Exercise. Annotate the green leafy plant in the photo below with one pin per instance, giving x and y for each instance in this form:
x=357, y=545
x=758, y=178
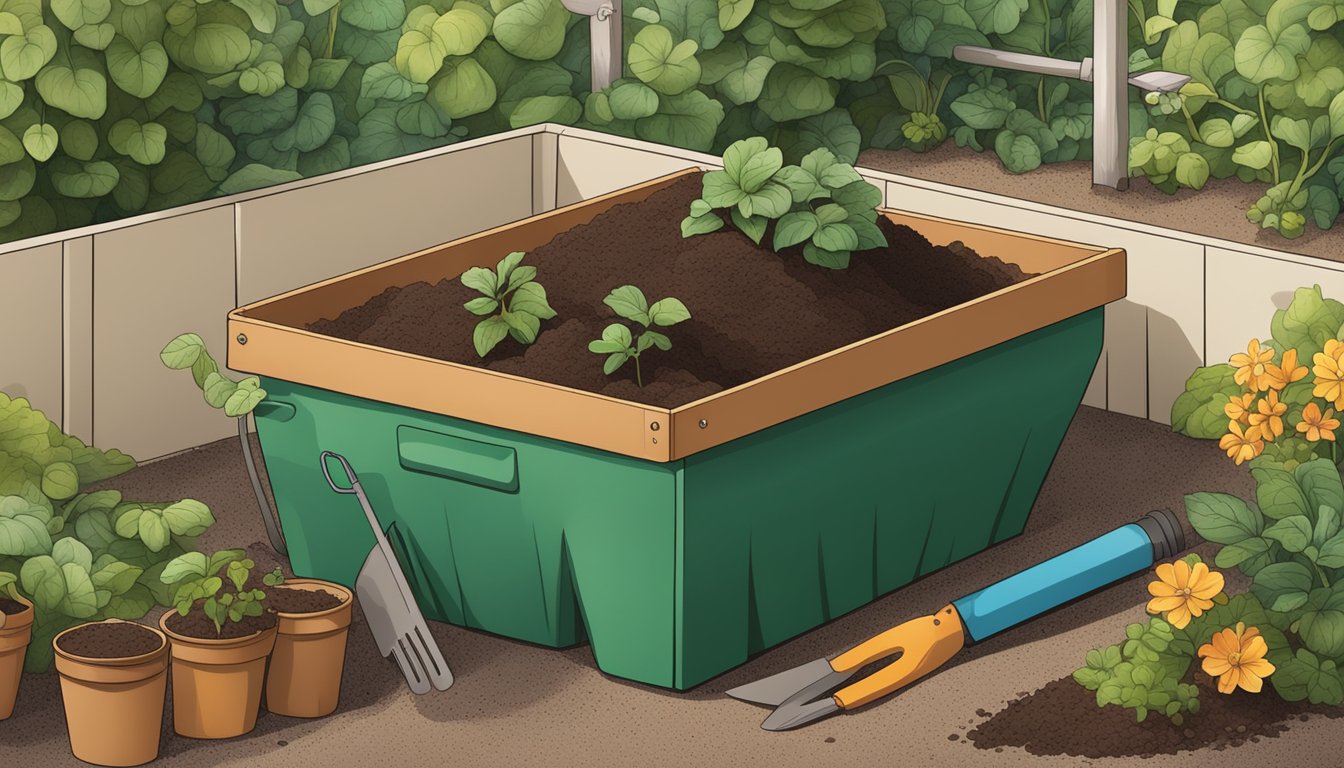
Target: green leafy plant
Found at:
x=235, y=397
x=511, y=290
x=79, y=555
x=617, y=342
x=1290, y=542
x=1143, y=673
x=197, y=582
x=822, y=203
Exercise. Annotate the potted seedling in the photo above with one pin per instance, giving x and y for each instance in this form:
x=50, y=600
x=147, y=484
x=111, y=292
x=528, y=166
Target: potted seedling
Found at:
x=16, y=630
x=114, y=676
x=823, y=325
x=619, y=344
x=221, y=635
x=304, y=678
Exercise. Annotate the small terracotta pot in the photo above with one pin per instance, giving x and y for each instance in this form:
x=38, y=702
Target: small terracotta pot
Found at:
x=217, y=683
x=114, y=707
x=309, y=657
x=15, y=633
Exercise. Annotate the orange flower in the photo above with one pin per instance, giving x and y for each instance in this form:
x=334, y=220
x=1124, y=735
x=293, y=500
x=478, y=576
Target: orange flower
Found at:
x=1237, y=658
x=1182, y=592
x=1286, y=372
x=1329, y=373
x=1318, y=426
x=1238, y=407
x=1243, y=446
x=1251, y=372
x=1269, y=416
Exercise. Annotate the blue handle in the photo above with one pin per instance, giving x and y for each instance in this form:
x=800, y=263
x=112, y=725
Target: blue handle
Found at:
x=1105, y=559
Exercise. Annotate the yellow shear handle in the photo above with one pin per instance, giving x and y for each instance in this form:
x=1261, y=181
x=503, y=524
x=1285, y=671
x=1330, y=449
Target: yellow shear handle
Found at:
x=925, y=644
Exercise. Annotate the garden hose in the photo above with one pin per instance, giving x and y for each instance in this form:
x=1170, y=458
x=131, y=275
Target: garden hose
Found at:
x=268, y=516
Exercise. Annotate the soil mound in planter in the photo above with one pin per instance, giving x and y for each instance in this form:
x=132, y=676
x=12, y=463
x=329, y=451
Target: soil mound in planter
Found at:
x=110, y=641
x=197, y=624
x=753, y=311
x=282, y=600
x=1063, y=719
x=11, y=607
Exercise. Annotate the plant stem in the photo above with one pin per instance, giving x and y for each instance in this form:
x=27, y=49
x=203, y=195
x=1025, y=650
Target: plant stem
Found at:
x=1137, y=10
x=333, y=18
x=1190, y=124
x=938, y=97
x=1273, y=145
x=1040, y=100
x=639, y=378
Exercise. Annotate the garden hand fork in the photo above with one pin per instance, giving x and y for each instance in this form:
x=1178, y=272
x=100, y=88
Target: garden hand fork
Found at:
x=394, y=617
x=803, y=694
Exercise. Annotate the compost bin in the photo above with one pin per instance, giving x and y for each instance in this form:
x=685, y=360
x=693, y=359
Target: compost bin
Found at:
x=679, y=541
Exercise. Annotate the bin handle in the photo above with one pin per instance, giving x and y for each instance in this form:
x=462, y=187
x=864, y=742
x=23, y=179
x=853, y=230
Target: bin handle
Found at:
x=349, y=473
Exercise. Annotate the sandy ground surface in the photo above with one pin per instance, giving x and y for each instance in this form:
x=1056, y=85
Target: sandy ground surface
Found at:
x=516, y=704
x=1218, y=210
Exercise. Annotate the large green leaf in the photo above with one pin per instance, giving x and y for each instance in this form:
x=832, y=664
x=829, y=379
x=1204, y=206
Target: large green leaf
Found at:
x=1262, y=55
x=138, y=72
x=1322, y=623
x=686, y=120
x=313, y=126
x=462, y=89
x=1282, y=586
x=41, y=140
x=23, y=528
x=255, y=176
x=1222, y=518
x=791, y=93
x=532, y=29
x=80, y=92
x=77, y=13
x=996, y=16
x=373, y=15
x=1305, y=676
x=83, y=180
x=666, y=66
x=22, y=56
x=144, y=143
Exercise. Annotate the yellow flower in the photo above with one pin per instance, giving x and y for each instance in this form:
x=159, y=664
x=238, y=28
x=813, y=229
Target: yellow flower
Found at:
x=1182, y=592
x=1286, y=372
x=1251, y=372
x=1329, y=373
x=1238, y=407
x=1269, y=416
x=1318, y=426
x=1237, y=658
x=1242, y=446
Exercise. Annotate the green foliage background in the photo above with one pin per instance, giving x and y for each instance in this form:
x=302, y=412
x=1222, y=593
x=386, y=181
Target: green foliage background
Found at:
x=113, y=107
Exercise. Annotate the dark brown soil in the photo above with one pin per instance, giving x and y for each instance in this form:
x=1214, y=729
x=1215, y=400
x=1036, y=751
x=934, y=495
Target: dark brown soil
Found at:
x=118, y=640
x=753, y=311
x=196, y=624
x=1063, y=719
x=282, y=600
x=11, y=607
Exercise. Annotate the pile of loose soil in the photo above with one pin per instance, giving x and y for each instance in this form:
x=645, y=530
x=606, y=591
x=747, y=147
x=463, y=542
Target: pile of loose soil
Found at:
x=1063, y=719
x=114, y=640
x=197, y=624
x=11, y=607
x=284, y=600
x=753, y=311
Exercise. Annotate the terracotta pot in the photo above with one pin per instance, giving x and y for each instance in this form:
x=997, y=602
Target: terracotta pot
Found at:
x=114, y=707
x=305, y=674
x=15, y=632
x=217, y=683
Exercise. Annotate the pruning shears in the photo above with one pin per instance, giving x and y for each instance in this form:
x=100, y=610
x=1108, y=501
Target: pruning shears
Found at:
x=809, y=692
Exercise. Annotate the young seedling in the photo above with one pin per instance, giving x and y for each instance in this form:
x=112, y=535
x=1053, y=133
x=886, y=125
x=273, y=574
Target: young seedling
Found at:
x=512, y=291
x=822, y=203
x=197, y=580
x=619, y=345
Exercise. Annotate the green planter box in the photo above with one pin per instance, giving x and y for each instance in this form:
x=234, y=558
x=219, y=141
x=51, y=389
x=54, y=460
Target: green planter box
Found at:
x=676, y=571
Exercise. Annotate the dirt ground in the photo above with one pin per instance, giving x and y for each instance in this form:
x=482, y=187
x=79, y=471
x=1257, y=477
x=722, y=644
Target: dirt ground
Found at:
x=1218, y=210
x=516, y=704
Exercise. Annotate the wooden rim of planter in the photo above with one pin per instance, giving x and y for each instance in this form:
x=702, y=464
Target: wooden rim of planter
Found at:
x=319, y=622
x=16, y=624
x=114, y=670
x=209, y=651
x=266, y=338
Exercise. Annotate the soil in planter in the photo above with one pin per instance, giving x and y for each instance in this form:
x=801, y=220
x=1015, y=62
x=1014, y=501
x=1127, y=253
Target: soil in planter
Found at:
x=110, y=641
x=753, y=311
x=1063, y=719
x=11, y=607
x=282, y=600
x=197, y=625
